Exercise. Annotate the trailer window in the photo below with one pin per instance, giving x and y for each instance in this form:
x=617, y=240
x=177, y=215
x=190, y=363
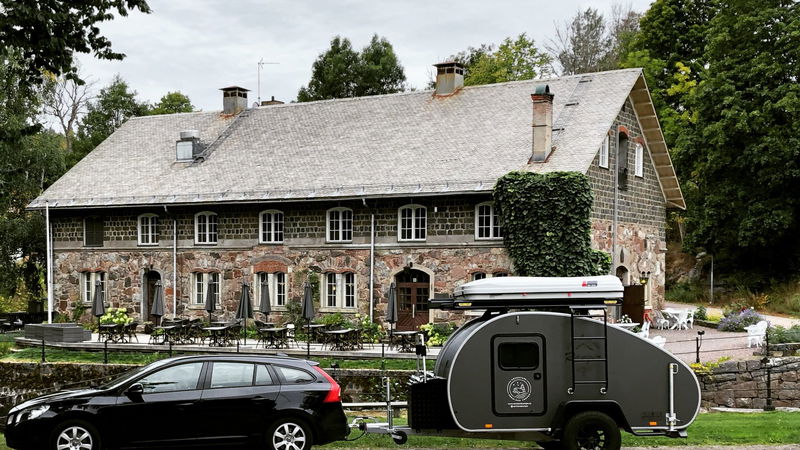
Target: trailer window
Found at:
x=518, y=355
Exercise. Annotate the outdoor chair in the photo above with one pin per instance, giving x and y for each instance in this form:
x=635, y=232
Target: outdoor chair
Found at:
x=690, y=318
x=130, y=331
x=290, y=337
x=660, y=321
x=658, y=341
x=681, y=320
x=756, y=333
x=645, y=332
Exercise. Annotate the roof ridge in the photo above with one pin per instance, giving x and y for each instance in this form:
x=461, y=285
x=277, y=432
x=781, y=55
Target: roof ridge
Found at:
x=148, y=116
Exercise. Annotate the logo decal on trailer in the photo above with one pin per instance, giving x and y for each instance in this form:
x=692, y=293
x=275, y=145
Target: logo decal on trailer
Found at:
x=519, y=389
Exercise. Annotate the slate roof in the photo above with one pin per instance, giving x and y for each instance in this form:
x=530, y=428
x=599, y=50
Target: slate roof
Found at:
x=389, y=145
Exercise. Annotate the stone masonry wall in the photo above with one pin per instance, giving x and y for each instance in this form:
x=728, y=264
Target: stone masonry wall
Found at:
x=743, y=384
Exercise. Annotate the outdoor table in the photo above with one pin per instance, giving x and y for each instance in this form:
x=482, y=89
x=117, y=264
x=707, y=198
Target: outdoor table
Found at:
x=166, y=334
x=674, y=314
x=406, y=341
x=216, y=336
x=628, y=326
x=112, y=332
x=315, y=329
x=339, y=339
x=276, y=337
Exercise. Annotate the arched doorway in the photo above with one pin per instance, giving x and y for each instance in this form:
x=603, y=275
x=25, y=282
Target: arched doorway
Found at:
x=150, y=279
x=413, y=294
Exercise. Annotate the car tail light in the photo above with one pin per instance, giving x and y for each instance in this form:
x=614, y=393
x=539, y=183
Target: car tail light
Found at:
x=335, y=393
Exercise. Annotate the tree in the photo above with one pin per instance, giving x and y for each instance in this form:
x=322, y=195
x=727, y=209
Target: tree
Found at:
x=379, y=71
x=341, y=72
x=49, y=32
x=171, y=103
x=115, y=104
x=29, y=161
x=65, y=101
x=517, y=59
x=582, y=45
x=623, y=28
x=739, y=158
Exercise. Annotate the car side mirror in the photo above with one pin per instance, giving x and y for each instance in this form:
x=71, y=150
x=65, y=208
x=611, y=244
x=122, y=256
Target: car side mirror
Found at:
x=135, y=389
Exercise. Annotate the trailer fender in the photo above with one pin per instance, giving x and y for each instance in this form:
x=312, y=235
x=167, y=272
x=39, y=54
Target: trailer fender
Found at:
x=569, y=409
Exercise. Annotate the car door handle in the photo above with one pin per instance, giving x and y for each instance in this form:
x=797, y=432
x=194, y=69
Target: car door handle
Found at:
x=259, y=399
x=186, y=404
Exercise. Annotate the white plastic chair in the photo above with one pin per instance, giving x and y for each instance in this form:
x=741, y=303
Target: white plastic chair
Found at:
x=756, y=333
x=658, y=341
x=645, y=332
x=690, y=318
x=659, y=320
x=681, y=320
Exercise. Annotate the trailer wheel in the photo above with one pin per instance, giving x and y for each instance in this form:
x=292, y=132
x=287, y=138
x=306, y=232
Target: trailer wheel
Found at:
x=399, y=437
x=591, y=430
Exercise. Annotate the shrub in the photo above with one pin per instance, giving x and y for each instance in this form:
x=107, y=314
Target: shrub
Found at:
x=687, y=292
x=116, y=316
x=737, y=321
x=437, y=333
x=370, y=331
x=335, y=320
x=700, y=313
x=781, y=335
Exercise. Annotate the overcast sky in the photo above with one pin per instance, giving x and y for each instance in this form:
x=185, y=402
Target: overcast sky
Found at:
x=199, y=46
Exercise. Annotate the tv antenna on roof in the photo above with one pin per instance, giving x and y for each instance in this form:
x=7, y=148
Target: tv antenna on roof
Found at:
x=260, y=66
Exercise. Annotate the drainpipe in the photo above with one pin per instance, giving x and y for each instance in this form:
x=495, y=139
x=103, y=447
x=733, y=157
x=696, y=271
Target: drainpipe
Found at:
x=174, y=266
x=49, y=263
x=615, y=216
x=371, y=261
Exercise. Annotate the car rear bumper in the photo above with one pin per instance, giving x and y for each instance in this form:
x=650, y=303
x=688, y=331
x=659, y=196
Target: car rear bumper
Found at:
x=331, y=424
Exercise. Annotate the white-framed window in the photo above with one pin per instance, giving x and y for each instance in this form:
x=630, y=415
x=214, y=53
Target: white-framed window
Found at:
x=271, y=226
x=487, y=222
x=88, y=280
x=339, y=290
x=603, y=159
x=201, y=282
x=639, y=161
x=205, y=227
x=277, y=288
x=340, y=225
x=148, y=229
x=478, y=276
x=412, y=223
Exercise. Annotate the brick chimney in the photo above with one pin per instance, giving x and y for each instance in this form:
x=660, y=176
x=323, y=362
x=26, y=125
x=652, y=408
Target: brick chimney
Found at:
x=542, y=123
x=449, y=78
x=234, y=99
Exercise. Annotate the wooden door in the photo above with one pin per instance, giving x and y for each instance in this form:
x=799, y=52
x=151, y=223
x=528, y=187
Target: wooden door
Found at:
x=413, y=295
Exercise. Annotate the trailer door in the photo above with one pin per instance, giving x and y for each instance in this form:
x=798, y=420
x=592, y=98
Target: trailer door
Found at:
x=518, y=374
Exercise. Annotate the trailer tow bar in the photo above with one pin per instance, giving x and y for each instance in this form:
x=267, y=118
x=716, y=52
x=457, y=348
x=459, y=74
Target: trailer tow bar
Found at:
x=671, y=418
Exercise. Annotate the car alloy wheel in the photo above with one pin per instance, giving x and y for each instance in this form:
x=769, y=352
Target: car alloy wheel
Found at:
x=75, y=437
x=290, y=436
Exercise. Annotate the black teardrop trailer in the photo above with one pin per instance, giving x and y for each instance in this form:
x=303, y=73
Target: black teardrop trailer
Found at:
x=543, y=364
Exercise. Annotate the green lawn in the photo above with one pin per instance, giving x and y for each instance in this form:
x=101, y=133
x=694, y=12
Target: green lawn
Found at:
x=709, y=429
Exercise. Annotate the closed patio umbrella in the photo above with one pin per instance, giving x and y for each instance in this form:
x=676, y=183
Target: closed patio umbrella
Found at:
x=211, y=302
x=98, y=303
x=245, y=310
x=391, y=312
x=158, y=302
x=265, y=307
x=308, y=314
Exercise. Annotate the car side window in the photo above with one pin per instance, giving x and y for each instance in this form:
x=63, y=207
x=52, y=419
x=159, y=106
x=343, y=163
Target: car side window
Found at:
x=294, y=376
x=182, y=377
x=225, y=375
x=263, y=378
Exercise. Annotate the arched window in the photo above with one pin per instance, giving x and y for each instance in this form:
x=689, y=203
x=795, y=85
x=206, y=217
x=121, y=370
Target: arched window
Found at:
x=271, y=226
x=148, y=229
x=340, y=225
x=276, y=283
x=89, y=281
x=205, y=227
x=205, y=285
x=478, y=276
x=412, y=223
x=339, y=290
x=487, y=222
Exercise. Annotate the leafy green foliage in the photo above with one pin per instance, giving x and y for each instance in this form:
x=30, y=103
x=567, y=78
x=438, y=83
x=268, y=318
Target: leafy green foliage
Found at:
x=739, y=159
x=782, y=335
x=517, y=59
x=115, y=104
x=341, y=72
x=49, y=32
x=171, y=103
x=117, y=316
x=437, y=333
x=546, y=224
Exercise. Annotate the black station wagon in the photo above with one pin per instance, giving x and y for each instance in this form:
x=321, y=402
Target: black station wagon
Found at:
x=197, y=401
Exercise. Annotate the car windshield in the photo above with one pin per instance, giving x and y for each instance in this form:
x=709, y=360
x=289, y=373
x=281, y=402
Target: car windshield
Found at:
x=122, y=377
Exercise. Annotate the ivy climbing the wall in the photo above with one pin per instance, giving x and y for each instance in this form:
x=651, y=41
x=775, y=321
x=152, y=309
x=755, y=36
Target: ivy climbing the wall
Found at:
x=546, y=224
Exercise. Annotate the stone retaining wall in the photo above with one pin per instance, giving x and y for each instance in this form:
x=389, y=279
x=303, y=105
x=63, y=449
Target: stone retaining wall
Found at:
x=743, y=384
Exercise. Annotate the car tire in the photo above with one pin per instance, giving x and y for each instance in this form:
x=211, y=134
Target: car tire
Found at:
x=289, y=434
x=76, y=434
x=591, y=430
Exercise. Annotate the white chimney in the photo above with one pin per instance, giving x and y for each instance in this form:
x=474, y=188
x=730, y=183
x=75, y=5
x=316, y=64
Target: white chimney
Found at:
x=542, y=123
x=449, y=78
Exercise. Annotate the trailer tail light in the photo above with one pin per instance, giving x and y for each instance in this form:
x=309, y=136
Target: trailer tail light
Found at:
x=488, y=425
x=335, y=392
x=652, y=424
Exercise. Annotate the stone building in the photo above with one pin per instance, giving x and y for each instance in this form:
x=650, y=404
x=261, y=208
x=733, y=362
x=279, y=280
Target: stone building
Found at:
x=352, y=194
